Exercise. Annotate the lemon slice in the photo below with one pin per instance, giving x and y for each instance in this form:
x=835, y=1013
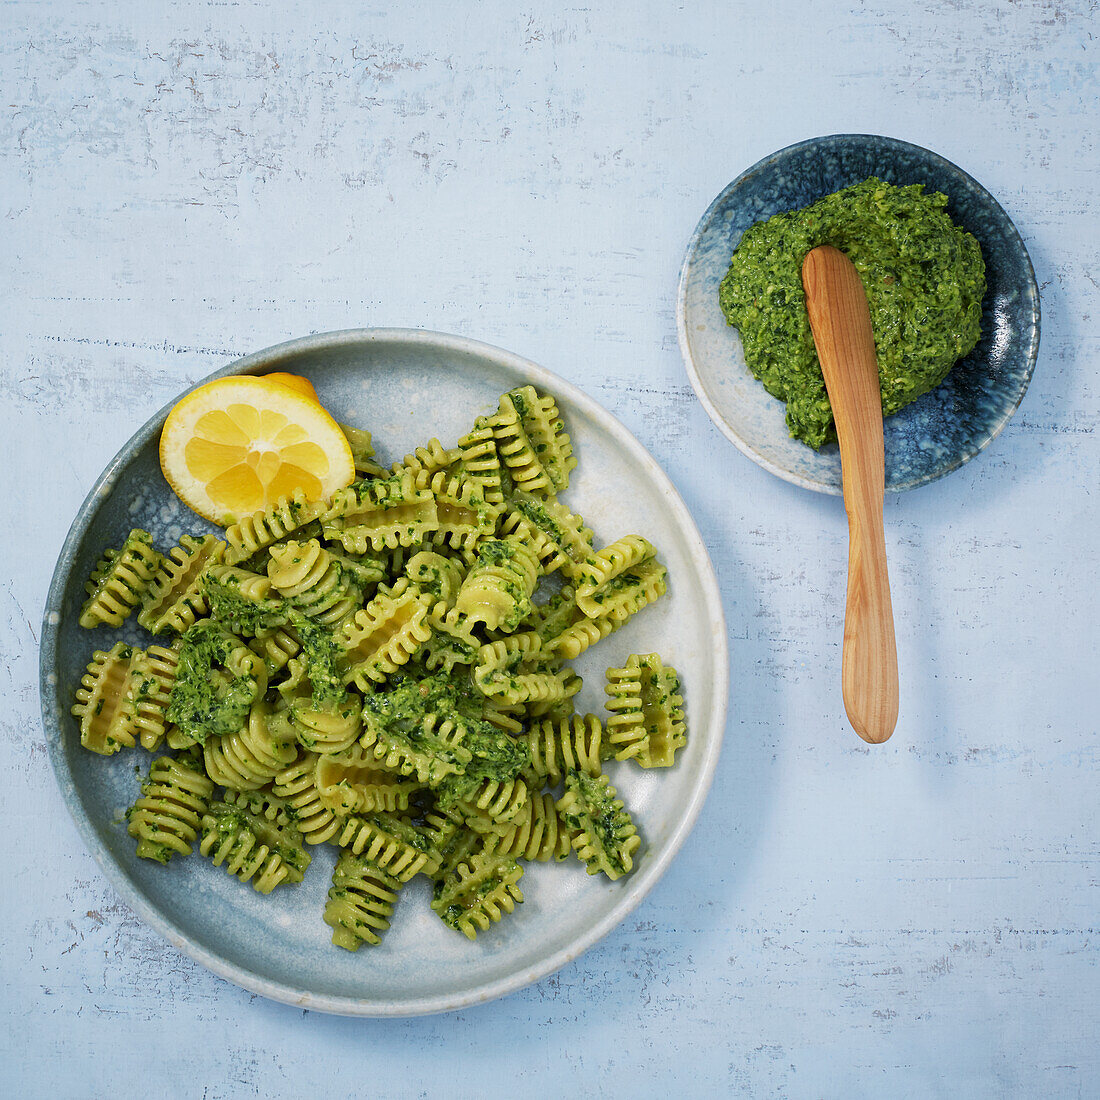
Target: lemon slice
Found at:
x=296, y=382
x=236, y=445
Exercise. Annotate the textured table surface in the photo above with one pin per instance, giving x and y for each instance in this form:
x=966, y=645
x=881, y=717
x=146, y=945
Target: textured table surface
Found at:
x=184, y=183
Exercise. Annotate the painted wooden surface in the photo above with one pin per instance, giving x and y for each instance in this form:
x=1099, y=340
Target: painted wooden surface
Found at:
x=184, y=183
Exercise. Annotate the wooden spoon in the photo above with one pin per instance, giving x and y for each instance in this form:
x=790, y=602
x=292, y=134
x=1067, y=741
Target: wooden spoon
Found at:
x=841, y=324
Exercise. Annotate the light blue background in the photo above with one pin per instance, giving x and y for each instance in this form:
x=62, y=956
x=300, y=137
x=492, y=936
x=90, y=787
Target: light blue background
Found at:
x=182, y=184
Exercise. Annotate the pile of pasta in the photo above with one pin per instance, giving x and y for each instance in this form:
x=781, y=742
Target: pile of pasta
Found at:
x=387, y=671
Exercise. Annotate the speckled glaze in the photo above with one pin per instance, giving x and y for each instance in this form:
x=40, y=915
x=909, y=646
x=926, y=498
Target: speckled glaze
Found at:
x=935, y=434
x=404, y=385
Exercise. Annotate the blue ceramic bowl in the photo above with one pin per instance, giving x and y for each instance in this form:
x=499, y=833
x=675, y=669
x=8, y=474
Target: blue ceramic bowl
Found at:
x=935, y=434
x=405, y=385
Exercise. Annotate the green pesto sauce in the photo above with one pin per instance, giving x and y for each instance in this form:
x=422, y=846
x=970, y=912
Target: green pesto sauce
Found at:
x=491, y=876
x=924, y=278
x=402, y=831
x=205, y=700
x=518, y=402
x=432, y=573
x=600, y=819
x=419, y=693
x=399, y=716
x=535, y=512
x=446, y=646
x=623, y=582
x=363, y=569
x=488, y=753
x=495, y=552
x=320, y=653
x=236, y=612
x=496, y=755
x=238, y=824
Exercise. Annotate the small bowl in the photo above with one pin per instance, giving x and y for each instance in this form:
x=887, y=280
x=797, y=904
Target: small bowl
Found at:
x=941, y=430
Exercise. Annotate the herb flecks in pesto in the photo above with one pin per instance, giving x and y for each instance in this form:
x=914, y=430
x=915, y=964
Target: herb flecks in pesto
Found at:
x=208, y=699
x=242, y=614
x=319, y=652
x=496, y=756
x=924, y=278
x=495, y=552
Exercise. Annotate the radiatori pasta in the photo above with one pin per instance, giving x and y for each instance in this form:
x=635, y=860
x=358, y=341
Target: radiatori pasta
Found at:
x=386, y=672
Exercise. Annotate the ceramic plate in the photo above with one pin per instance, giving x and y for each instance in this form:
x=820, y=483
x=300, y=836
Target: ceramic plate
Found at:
x=935, y=434
x=405, y=386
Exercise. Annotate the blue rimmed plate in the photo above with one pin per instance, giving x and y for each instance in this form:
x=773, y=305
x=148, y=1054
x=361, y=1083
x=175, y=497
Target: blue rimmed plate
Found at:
x=935, y=434
x=405, y=386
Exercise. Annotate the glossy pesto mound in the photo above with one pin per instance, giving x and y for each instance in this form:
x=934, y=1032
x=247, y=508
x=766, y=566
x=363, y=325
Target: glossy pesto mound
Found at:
x=924, y=278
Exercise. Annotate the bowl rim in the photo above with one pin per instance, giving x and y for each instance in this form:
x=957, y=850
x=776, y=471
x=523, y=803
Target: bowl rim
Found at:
x=639, y=884
x=696, y=379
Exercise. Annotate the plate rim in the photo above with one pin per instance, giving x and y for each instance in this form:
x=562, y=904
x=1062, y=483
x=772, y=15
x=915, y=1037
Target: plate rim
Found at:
x=695, y=377
x=640, y=883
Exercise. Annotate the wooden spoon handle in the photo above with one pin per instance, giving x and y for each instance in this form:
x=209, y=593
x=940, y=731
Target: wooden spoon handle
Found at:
x=841, y=324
